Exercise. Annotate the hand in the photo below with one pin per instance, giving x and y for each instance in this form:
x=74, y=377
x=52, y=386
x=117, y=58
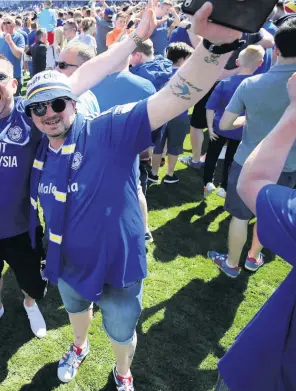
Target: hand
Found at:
x=292, y=88
x=216, y=34
x=8, y=39
x=213, y=136
x=148, y=22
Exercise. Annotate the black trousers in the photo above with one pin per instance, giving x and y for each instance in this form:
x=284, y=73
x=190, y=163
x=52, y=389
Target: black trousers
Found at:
x=214, y=149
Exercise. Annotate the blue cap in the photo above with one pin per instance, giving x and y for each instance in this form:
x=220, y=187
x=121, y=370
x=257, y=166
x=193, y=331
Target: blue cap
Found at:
x=109, y=12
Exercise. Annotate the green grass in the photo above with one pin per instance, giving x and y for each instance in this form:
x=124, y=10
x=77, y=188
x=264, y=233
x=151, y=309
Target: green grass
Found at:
x=191, y=314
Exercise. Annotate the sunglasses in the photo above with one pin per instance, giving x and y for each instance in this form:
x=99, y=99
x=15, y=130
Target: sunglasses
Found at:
x=58, y=105
x=64, y=65
x=8, y=22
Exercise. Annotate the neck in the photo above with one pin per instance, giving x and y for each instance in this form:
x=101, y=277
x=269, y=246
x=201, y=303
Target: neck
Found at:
x=286, y=61
x=7, y=109
x=56, y=142
x=246, y=71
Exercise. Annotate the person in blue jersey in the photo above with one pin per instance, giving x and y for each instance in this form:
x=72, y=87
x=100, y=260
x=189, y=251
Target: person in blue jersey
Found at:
x=160, y=34
x=181, y=33
x=12, y=46
x=96, y=245
x=270, y=356
x=47, y=19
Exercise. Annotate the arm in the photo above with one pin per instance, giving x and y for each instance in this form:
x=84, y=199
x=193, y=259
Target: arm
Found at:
x=176, y=17
x=230, y=121
x=231, y=118
x=16, y=50
x=210, y=121
x=267, y=40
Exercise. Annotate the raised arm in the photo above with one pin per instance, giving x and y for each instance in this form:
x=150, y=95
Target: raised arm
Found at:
x=196, y=76
x=261, y=168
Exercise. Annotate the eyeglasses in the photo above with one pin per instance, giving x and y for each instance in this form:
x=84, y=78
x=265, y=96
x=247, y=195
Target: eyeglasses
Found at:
x=58, y=105
x=64, y=65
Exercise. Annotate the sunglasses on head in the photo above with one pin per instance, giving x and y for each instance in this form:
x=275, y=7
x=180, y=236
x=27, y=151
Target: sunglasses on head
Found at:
x=58, y=105
x=64, y=65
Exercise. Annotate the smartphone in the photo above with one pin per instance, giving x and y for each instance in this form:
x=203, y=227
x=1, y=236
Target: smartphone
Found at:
x=243, y=15
x=130, y=24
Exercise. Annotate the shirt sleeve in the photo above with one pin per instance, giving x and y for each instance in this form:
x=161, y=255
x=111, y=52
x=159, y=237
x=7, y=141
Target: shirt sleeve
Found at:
x=215, y=100
x=237, y=105
x=127, y=128
x=20, y=41
x=276, y=219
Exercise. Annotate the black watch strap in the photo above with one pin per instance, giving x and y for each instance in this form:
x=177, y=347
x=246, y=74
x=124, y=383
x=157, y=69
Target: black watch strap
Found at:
x=225, y=48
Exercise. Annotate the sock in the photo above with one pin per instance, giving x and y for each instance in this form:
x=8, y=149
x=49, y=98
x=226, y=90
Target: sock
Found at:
x=227, y=264
x=129, y=374
x=194, y=161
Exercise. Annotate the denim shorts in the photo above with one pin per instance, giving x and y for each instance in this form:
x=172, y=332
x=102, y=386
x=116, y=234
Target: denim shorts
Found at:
x=121, y=308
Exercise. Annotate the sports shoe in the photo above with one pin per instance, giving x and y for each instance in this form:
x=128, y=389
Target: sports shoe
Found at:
x=188, y=162
x=148, y=237
x=152, y=178
x=171, y=178
x=253, y=264
x=220, y=261
x=69, y=364
x=36, y=319
x=208, y=189
x=1, y=311
x=123, y=383
x=221, y=193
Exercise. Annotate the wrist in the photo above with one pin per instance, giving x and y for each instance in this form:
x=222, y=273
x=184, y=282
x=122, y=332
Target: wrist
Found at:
x=222, y=48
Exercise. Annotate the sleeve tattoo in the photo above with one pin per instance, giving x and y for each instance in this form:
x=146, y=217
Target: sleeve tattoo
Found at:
x=182, y=88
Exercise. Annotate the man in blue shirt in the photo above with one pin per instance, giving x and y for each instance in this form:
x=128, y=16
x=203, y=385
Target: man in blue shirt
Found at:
x=12, y=46
x=264, y=98
x=267, y=345
x=96, y=249
x=48, y=20
x=160, y=35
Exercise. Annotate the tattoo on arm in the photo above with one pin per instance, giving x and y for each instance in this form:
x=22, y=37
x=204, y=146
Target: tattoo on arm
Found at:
x=181, y=88
x=212, y=59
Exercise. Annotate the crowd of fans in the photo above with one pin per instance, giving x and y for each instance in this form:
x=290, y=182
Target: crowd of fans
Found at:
x=100, y=58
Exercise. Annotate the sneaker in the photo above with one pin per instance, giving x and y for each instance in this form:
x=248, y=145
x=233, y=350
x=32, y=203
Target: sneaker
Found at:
x=69, y=364
x=152, y=178
x=123, y=383
x=253, y=264
x=148, y=237
x=188, y=162
x=36, y=319
x=162, y=163
x=208, y=189
x=1, y=311
x=221, y=193
x=171, y=178
x=220, y=261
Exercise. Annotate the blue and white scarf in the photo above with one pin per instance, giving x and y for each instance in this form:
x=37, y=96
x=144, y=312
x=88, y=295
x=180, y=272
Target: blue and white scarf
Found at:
x=55, y=231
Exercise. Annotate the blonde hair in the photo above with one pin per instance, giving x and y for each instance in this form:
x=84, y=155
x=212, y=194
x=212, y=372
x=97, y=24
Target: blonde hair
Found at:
x=59, y=39
x=77, y=15
x=87, y=23
x=251, y=56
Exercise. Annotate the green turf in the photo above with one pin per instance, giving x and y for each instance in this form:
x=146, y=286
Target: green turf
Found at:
x=191, y=314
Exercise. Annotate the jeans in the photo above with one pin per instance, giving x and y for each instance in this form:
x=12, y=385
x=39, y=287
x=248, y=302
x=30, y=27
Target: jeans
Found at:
x=213, y=152
x=221, y=385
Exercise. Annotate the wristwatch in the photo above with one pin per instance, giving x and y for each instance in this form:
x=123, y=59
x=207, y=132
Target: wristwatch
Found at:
x=225, y=48
x=136, y=38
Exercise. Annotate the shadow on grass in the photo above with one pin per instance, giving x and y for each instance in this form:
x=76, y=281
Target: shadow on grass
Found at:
x=15, y=328
x=195, y=319
x=44, y=380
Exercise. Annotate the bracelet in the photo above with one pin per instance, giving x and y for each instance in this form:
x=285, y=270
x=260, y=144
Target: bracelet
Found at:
x=224, y=48
x=138, y=41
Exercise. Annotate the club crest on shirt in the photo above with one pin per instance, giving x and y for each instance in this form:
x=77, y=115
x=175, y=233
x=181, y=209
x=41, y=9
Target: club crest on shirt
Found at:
x=77, y=159
x=15, y=133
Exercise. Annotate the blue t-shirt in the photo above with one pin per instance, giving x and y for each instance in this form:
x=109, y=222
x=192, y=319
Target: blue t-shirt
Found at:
x=270, y=27
x=159, y=36
x=5, y=50
x=25, y=35
x=219, y=100
x=47, y=19
x=18, y=145
x=180, y=35
x=121, y=88
x=32, y=37
x=88, y=104
x=103, y=238
x=60, y=22
x=267, y=346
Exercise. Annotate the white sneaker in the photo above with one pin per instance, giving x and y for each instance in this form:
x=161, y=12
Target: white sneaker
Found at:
x=208, y=189
x=36, y=319
x=221, y=193
x=1, y=311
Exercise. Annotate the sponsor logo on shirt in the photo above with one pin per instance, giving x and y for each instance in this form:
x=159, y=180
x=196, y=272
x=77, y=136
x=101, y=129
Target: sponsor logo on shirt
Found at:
x=77, y=159
x=15, y=133
x=51, y=189
x=7, y=161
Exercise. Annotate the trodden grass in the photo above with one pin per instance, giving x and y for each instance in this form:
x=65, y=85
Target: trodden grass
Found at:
x=191, y=313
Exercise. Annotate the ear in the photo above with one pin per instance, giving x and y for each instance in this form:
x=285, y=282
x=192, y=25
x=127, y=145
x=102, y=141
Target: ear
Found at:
x=14, y=84
x=277, y=52
x=237, y=62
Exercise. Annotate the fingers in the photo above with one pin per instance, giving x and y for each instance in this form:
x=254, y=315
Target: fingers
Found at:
x=204, y=12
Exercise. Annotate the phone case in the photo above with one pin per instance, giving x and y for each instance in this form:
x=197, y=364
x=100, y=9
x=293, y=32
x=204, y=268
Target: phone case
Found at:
x=243, y=15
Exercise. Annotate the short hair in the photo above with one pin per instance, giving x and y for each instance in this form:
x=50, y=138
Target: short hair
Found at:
x=34, y=26
x=77, y=14
x=84, y=8
x=10, y=66
x=285, y=38
x=87, y=23
x=84, y=52
x=18, y=22
x=88, y=12
x=145, y=47
x=178, y=50
x=167, y=2
x=48, y=3
x=71, y=13
x=60, y=14
x=121, y=15
x=39, y=33
x=251, y=56
x=71, y=23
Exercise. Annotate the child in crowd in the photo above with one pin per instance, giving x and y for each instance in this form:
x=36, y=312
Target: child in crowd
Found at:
x=248, y=61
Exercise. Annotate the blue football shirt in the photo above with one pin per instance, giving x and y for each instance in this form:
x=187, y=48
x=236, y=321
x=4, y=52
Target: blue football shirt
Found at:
x=5, y=50
x=267, y=346
x=18, y=145
x=103, y=239
x=159, y=36
x=180, y=35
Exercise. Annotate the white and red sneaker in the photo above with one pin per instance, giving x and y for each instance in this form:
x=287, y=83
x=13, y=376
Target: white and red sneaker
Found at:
x=123, y=383
x=69, y=364
x=253, y=264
